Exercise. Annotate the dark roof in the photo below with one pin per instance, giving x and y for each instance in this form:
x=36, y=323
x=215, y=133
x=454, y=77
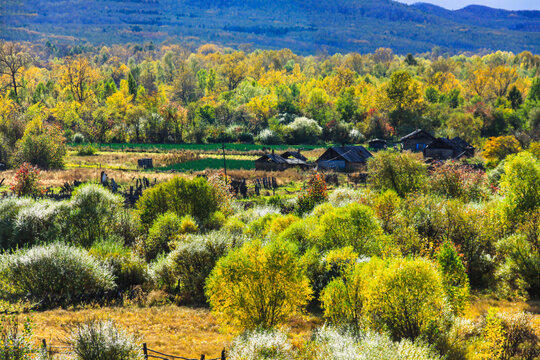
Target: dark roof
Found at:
x=280, y=160
x=354, y=154
x=417, y=133
x=373, y=141
x=462, y=143
x=456, y=144
x=294, y=154
x=273, y=158
x=443, y=143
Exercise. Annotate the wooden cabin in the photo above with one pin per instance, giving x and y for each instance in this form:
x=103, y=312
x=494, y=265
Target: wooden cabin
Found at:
x=417, y=141
x=344, y=158
x=293, y=155
x=445, y=149
x=272, y=162
x=377, y=144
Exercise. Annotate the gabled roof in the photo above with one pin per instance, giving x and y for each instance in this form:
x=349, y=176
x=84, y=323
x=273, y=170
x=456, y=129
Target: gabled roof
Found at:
x=417, y=133
x=280, y=160
x=462, y=143
x=294, y=154
x=372, y=141
x=273, y=158
x=443, y=143
x=457, y=144
x=354, y=154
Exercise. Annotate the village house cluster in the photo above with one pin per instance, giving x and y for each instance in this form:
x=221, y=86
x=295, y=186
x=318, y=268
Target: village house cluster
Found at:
x=353, y=158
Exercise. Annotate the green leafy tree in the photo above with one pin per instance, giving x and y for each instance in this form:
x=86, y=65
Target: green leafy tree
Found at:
x=402, y=172
x=454, y=277
x=515, y=97
x=182, y=196
x=520, y=185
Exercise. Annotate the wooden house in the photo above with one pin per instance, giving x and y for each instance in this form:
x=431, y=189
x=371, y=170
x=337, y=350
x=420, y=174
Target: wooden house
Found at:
x=417, y=141
x=444, y=149
x=377, y=144
x=344, y=158
x=293, y=155
x=273, y=162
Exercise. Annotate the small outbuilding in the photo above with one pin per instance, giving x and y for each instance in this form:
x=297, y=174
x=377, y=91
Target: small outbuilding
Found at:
x=273, y=162
x=377, y=144
x=417, y=141
x=444, y=149
x=293, y=155
x=344, y=158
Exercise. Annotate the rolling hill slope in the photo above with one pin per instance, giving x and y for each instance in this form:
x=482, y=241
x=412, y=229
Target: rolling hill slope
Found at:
x=304, y=26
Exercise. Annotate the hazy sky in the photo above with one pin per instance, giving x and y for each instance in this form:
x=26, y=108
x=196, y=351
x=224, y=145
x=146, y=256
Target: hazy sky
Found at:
x=500, y=4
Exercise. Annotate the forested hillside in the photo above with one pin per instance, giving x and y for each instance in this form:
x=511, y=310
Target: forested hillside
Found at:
x=306, y=26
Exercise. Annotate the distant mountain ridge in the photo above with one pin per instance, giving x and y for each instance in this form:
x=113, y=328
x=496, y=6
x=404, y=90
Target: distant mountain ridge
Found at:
x=304, y=26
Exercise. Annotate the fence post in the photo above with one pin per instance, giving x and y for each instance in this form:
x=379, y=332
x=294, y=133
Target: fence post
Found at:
x=223, y=355
x=145, y=351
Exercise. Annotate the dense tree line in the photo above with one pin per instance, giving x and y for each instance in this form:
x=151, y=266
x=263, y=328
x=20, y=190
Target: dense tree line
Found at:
x=146, y=93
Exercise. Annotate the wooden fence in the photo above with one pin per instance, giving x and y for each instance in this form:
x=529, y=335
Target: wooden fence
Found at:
x=56, y=351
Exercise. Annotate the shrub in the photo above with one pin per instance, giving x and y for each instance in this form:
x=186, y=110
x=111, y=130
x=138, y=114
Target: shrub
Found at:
x=454, y=277
x=258, y=286
x=45, y=150
x=455, y=181
x=334, y=344
x=9, y=211
x=268, y=137
x=87, y=150
x=222, y=192
x=260, y=345
x=315, y=193
x=94, y=214
x=38, y=222
x=403, y=172
x=303, y=131
x=407, y=299
x=302, y=233
x=15, y=341
x=78, y=138
x=521, y=258
x=54, y=273
x=344, y=196
x=187, y=267
x=127, y=269
x=508, y=336
x=520, y=184
x=344, y=298
x=98, y=340
x=184, y=197
x=498, y=148
x=27, y=181
x=353, y=225
x=164, y=230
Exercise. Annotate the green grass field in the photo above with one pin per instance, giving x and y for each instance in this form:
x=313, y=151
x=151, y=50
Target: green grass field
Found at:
x=210, y=163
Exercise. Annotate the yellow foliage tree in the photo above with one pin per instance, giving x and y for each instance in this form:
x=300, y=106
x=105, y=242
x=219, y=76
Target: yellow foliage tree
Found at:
x=258, y=285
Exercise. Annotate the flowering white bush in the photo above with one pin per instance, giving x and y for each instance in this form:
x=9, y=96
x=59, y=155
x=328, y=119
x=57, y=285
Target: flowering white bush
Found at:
x=261, y=345
x=268, y=137
x=304, y=130
x=97, y=340
x=331, y=344
x=344, y=196
x=54, y=272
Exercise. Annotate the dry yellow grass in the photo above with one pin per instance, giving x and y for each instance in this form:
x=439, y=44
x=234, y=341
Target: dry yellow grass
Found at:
x=174, y=330
x=56, y=178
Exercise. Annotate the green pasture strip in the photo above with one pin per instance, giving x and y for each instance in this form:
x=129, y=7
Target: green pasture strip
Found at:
x=209, y=163
x=203, y=147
